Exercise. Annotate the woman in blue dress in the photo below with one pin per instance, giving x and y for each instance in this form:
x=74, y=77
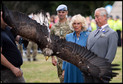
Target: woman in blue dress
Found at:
x=71, y=73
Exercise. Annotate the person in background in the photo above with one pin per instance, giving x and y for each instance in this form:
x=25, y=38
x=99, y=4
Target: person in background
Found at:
x=71, y=73
x=52, y=21
x=61, y=28
x=103, y=41
x=118, y=28
x=88, y=19
x=32, y=46
x=11, y=59
x=111, y=22
x=93, y=25
x=20, y=47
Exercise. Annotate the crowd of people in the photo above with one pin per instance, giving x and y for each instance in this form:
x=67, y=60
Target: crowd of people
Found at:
x=115, y=24
x=101, y=35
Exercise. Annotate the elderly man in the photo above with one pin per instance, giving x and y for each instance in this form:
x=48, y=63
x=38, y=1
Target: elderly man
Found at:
x=61, y=28
x=102, y=41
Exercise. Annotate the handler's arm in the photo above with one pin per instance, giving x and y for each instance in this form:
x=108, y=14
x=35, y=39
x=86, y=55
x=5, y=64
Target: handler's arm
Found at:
x=7, y=64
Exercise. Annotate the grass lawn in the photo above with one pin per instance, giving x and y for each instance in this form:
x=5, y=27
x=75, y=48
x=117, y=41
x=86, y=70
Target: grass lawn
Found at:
x=118, y=60
x=43, y=71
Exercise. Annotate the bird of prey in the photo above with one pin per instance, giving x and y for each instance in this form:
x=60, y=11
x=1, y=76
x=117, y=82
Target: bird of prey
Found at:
x=88, y=62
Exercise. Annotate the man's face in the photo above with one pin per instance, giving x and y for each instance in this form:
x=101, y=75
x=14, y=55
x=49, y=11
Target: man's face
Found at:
x=62, y=14
x=99, y=19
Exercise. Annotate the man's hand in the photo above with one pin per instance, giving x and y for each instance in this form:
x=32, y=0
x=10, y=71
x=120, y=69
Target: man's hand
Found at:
x=17, y=72
x=63, y=74
x=54, y=62
x=10, y=66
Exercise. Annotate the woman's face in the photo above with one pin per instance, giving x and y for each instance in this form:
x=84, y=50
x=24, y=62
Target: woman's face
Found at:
x=77, y=26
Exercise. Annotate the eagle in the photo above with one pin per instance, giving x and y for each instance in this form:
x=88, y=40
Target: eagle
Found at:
x=38, y=31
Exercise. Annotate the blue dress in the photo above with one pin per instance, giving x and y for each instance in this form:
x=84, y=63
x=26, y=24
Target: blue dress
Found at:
x=72, y=73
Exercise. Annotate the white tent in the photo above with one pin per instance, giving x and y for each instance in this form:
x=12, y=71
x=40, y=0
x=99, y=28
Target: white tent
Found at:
x=117, y=9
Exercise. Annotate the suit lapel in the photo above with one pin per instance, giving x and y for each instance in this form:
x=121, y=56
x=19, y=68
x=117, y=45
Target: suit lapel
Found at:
x=100, y=34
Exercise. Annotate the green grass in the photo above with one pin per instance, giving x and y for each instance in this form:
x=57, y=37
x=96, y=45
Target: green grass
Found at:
x=118, y=60
x=40, y=71
x=43, y=71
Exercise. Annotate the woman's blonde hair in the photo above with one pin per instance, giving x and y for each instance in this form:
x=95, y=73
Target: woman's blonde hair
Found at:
x=79, y=18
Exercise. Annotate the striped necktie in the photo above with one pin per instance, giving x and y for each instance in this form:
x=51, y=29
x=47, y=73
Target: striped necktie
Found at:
x=97, y=31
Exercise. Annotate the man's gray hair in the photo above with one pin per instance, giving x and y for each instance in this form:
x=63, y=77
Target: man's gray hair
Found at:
x=103, y=11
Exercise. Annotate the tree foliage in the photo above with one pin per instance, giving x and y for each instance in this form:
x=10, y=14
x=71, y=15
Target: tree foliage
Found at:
x=86, y=8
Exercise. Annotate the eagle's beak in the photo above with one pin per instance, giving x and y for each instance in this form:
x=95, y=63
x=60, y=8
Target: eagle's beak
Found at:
x=46, y=58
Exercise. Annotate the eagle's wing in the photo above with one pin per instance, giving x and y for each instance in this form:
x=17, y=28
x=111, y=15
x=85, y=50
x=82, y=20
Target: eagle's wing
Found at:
x=27, y=27
x=88, y=62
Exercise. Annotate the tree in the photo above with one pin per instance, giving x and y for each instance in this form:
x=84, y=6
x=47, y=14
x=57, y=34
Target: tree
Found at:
x=85, y=8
